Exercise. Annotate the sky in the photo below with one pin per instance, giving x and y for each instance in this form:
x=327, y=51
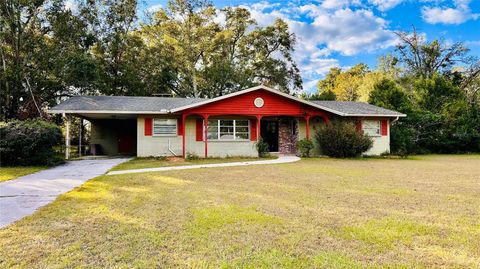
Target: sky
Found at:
x=342, y=33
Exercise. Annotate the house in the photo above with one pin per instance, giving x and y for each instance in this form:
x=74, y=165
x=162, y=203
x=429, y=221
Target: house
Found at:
x=228, y=125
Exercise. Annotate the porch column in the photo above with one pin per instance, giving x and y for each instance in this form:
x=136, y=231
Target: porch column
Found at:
x=259, y=118
x=80, y=138
x=307, y=124
x=67, y=136
x=205, y=126
x=184, y=117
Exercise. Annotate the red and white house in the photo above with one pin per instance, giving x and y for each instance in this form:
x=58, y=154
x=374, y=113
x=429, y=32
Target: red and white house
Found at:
x=228, y=125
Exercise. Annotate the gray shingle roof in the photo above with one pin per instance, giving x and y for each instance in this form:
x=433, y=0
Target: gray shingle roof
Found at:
x=132, y=105
x=357, y=108
x=123, y=103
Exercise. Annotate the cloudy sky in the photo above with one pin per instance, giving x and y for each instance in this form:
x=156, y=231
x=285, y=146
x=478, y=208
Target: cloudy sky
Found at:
x=346, y=32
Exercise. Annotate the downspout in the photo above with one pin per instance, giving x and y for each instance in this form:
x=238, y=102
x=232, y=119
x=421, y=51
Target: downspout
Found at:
x=170, y=149
x=395, y=120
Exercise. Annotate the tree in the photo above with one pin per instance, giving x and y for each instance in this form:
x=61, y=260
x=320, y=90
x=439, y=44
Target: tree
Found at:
x=386, y=93
x=212, y=58
x=425, y=59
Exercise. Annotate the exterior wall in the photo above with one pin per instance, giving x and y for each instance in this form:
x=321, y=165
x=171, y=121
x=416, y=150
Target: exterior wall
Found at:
x=216, y=148
x=104, y=134
x=381, y=144
x=158, y=145
x=107, y=133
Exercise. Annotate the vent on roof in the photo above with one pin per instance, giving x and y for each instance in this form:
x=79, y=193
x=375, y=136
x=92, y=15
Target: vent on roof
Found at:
x=162, y=95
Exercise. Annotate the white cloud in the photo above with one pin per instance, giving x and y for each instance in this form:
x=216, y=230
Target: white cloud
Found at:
x=154, y=8
x=325, y=29
x=384, y=5
x=71, y=5
x=458, y=14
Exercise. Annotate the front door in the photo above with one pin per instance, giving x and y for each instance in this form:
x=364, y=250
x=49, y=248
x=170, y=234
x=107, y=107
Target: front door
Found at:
x=269, y=133
x=125, y=143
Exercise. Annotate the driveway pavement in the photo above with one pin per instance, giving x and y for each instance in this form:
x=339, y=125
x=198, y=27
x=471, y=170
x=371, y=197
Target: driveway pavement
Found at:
x=22, y=196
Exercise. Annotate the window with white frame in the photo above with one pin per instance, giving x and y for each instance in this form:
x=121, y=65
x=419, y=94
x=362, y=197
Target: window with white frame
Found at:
x=164, y=127
x=228, y=130
x=371, y=127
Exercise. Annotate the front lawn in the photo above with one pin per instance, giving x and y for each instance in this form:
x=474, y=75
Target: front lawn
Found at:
x=314, y=213
x=153, y=162
x=8, y=173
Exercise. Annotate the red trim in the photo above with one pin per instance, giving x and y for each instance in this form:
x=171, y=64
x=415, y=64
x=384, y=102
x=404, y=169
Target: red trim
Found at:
x=307, y=124
x=253, y=130
x=179, y=130
x=358, y=126
x=205, y=121
x=199, y=130
x=384, y=127
x=148, y=127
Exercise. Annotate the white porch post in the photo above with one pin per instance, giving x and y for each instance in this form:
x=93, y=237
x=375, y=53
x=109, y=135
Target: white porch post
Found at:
x=67, y=136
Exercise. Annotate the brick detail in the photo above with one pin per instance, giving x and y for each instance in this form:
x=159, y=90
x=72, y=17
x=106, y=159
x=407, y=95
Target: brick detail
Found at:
x=287, y=135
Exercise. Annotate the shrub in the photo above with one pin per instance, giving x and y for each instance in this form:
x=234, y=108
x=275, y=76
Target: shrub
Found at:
x=192, y=156
x=304, y=147
x=29, y=142
x=262, y=148
x=341, y=140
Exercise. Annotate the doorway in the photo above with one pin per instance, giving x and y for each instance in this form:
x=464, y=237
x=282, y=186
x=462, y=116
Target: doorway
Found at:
x=269, y=133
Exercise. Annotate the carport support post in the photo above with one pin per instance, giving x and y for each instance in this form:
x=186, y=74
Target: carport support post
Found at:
x=67, y=136
x=80, y=138
x=184, y=117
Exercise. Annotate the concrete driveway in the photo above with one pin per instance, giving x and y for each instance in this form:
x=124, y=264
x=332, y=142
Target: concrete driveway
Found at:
x=22, y=196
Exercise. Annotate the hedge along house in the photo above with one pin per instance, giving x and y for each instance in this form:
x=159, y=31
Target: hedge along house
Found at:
x=228, y=125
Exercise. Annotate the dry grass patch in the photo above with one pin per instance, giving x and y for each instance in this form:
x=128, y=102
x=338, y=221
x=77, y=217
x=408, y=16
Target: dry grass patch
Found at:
x=316, y=213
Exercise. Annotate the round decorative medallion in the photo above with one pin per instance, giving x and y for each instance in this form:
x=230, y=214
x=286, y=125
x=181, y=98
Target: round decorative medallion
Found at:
x=258, y=102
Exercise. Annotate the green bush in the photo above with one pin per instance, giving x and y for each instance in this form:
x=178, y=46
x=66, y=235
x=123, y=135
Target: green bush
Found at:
x=341, y=140
x=262, y=148
x=304, y=147
x=192, y=156
x=29, y=142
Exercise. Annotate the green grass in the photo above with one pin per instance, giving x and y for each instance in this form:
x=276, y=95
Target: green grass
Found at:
x=316, y=213
x=152, y=162
x=8, y=173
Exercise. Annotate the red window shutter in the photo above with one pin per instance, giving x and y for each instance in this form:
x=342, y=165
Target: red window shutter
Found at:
x=253, y=130
x=179, y=126
x=199, y=130
x=384, y=127
x=358, y=126
x=148, y=126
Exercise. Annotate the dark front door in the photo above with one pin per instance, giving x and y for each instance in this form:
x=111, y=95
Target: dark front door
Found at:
x=269, y=133
x=125, y=143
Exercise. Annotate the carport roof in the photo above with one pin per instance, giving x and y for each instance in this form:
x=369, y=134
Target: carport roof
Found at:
x=122, y=104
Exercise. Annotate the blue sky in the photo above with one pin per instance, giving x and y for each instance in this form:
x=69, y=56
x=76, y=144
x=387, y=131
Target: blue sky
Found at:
x=346, y=32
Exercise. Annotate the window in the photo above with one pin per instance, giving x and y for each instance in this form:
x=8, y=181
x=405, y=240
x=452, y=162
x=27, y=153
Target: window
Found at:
x=228, y=130
x=164, y=127
x=371, y=127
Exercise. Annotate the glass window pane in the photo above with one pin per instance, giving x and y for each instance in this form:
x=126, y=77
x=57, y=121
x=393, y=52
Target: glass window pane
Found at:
x=241, y=135
x=241, y=123
x=212, y=122
x=226, y=129
x=226, y=122
x=164, y=126
x=226, y=136
x=241, y=129
x=213, y=135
